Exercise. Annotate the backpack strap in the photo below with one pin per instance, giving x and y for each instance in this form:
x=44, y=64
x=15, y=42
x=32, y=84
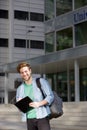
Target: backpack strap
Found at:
x=38, y=83
x=39, y=86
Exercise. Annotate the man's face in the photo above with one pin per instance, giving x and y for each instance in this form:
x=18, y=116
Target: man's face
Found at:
x=25, y=73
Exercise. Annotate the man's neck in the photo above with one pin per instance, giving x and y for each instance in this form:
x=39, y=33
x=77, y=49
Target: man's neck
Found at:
x=29, y=81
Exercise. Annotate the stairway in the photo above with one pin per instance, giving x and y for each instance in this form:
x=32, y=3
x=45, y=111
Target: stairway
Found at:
x=10, y=118
x=8, y=112
x=74, y=117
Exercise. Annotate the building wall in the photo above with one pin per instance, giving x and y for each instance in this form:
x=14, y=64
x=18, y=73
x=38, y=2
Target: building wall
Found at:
x=13, y=28
x=28, y=30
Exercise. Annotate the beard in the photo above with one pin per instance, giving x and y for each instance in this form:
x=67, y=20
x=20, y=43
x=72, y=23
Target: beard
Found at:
x=27, y=78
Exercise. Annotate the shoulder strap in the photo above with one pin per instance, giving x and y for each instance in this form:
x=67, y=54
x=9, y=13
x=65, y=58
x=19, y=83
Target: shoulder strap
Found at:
x=39, y=86
x=38, y=82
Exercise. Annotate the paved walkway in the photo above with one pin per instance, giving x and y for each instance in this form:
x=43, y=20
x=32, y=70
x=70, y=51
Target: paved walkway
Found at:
x=7, y=125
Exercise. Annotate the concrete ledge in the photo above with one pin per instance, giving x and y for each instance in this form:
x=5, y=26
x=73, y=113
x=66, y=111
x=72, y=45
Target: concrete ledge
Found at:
x=74, y=117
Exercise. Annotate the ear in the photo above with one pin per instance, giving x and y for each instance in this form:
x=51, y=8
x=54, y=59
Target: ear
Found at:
x=30, y=70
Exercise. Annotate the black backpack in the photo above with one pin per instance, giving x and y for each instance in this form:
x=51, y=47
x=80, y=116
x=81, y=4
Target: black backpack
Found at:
x=56, y=107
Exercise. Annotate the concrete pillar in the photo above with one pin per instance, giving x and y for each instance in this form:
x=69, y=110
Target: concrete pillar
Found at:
x=6, y=89
x=11, y=30
x=68, y=84
x=77, y=92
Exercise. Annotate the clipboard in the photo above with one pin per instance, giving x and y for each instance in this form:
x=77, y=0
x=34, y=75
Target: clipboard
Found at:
x=23, y=104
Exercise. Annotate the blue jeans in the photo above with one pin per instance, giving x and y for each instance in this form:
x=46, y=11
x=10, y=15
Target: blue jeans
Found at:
x=38, y=124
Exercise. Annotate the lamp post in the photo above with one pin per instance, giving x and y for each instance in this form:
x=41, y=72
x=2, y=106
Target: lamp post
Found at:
x=28, y=31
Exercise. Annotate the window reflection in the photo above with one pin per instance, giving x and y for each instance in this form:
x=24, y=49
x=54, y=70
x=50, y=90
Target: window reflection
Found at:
x=63, y=6
x=81, y=34
x=64, y=39
x=49, y=9
x=80, y=3
x=49, y=42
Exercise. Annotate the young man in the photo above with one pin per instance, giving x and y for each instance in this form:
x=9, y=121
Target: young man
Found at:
x=37, y=118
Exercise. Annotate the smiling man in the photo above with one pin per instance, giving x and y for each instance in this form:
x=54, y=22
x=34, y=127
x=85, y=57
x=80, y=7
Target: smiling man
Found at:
x=37, y=118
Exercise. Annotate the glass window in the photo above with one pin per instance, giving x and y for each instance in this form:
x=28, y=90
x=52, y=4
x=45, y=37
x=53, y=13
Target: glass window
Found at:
x=63, y=6
x=3, y=42
x=80, y=3
x=81, y=34
x=49, y=9
x=2, y=74
x=21, y=15
x=63, y=88
x=1, y=99
x=62, y=85
x=20, y=43
x=83, y=84
x=36, y=44
x=49, y=42
x=72, y=86
x=64, y=39
x=4, y=14
x=36, y=17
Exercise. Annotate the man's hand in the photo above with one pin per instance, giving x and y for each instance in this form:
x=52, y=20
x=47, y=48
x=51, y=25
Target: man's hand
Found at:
x=38, y=104
x=35, y=104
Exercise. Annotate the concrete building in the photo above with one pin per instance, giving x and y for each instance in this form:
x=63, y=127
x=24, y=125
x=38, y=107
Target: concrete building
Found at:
x=21, y=35
x=65, y=59
x=65, y=30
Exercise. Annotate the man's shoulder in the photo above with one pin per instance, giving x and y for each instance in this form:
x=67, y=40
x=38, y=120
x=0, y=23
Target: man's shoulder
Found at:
x=21, y=86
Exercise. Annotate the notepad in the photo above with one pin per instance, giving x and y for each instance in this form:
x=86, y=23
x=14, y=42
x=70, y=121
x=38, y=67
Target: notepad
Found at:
x=23, y=104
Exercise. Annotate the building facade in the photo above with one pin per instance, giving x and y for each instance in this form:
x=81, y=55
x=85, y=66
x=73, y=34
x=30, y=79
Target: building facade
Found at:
x=65, y=29
x=21, y=35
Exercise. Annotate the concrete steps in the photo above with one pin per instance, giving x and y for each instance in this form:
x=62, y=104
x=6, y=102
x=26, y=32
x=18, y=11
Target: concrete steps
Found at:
x=10, y=118
x=8, y=112
x=74, y=117
x=9, y=125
